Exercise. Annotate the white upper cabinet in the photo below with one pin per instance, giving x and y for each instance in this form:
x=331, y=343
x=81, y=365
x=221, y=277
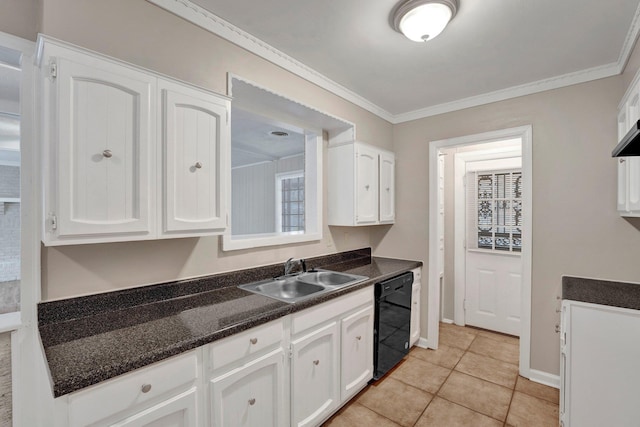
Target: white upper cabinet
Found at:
x=387, y=188
x=629, y=167
x=128, y=155
x=366, y=185
x=195, y=131
x=99, y=150
x=361, y=185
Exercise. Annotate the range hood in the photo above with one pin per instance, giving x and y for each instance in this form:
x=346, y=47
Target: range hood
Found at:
x=630, y=144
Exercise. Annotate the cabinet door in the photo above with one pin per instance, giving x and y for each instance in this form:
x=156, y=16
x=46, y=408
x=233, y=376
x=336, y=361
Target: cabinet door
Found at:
x=387, y=188
x=252, y=395
x=104, y=160
x=315, y=387
x=600, y=379
x=414, y=334
x=195, y=142
x=357, y=352
x=366, y=185
x=179, y=411
x=622, y=163
x=633, y=163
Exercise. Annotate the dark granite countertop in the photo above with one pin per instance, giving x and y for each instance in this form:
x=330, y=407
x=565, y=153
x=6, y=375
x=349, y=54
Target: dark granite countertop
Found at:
x=605, y=292
x=90, y=339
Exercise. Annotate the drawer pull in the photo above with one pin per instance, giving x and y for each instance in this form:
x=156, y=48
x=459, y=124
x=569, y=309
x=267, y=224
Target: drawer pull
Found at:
x=198, y=165
x=253, y=341
x=359, y=337
x=107, y=154
x=252, y=401
x=316, y=362
x=145, y=388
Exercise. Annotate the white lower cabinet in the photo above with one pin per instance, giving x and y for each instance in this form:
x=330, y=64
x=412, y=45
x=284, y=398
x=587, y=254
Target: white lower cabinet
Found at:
x=179, y=411
x=315, y=389
x=163, y=394
x=414, y=334
x=294, y=371
x=356, y=352
x=251, y=395
x=599, y=365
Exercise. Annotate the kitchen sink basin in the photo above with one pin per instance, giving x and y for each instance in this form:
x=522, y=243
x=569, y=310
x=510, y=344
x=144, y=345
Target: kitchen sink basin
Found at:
x=288, y=289
x=301, y=286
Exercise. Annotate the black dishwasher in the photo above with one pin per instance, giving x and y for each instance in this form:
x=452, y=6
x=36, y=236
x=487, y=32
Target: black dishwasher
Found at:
x=392, y=322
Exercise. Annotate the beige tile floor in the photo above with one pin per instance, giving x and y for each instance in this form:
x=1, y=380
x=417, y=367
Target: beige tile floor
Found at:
x=471, y=380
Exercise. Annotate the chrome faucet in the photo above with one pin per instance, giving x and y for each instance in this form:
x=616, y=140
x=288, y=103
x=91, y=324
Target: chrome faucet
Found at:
x=289, y=264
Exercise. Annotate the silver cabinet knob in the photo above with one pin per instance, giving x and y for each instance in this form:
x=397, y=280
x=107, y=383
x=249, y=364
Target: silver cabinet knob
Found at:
x=359, y=337
x=252, y=401
x=316, y=362
x=145, y=388
x=253, y=341
x=622, y=160
x=366, y=187
x=388, y=189
x=198, y=165
x=107, y=154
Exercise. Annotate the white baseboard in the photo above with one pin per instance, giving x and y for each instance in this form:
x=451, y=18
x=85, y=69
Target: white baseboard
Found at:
x=447, y=321
x=423, y=343
x=544, y=378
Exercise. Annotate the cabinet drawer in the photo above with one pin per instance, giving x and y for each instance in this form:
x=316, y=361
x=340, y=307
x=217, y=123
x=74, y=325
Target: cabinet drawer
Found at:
x=316, y=315
x=246, y=343
x=128, y=391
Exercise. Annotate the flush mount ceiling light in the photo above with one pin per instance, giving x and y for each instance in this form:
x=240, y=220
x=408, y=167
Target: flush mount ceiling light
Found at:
x=422, y=20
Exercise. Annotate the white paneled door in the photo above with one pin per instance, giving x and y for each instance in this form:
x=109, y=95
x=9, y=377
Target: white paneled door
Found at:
x=492, y=299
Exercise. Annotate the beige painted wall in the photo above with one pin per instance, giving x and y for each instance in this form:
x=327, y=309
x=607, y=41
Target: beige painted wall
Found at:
x=576, y=229
x=141, y=33
x=20, y=17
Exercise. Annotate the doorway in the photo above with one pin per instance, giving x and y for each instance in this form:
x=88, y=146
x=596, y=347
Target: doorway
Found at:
x=491, y=248
x=485, y=235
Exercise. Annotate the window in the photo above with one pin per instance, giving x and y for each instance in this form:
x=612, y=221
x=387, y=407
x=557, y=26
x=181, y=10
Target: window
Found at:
x=290, y=202
x=495, y=210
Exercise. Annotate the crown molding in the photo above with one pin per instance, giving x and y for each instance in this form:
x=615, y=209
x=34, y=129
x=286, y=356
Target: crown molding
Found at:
x=216, y=25
x=512, y=92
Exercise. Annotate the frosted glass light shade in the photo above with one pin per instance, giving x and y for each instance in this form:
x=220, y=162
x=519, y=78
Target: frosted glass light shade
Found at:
x=422, y=20
x=425, y=22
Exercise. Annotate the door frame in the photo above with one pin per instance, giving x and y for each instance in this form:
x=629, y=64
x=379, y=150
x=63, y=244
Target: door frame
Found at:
x=525, y=134
x=460, y=216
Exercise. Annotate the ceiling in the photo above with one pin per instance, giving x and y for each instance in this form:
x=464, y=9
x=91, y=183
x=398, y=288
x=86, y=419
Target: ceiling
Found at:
x=252, y=141
x=492, y=49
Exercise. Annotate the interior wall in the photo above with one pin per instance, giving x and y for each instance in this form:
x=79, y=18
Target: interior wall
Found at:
x=576, y=229
x=21, y=18
x=144, y=34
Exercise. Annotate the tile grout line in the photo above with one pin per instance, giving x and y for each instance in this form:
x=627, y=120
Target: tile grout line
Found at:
x=445, y=380
x=468, y=350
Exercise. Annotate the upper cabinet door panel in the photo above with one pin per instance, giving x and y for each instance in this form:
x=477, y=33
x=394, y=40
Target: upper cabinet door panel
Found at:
x=366, y=185
x=196, y=135
x=387, y=186
x=104, y=135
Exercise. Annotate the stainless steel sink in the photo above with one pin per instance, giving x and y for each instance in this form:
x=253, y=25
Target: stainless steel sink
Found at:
x=299, y=287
